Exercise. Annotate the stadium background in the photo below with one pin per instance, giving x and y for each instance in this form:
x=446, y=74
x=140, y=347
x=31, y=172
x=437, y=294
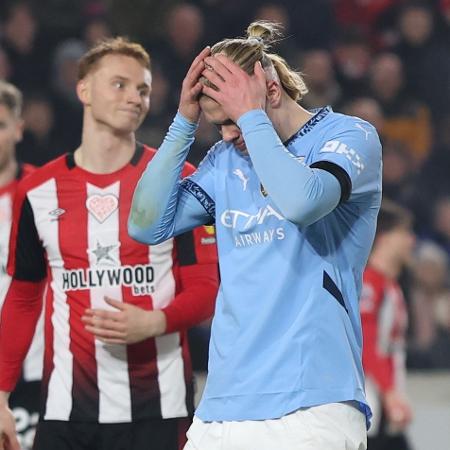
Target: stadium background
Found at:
x=387, y=61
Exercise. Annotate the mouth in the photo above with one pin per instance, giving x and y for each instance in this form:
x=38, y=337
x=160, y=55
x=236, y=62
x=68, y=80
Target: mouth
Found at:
x=131, y=112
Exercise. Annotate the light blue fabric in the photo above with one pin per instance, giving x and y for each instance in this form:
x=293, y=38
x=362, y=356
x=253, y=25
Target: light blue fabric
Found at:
x=286, y=332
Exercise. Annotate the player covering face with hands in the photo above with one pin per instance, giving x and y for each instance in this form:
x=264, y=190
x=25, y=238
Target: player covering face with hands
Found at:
x=294, y=196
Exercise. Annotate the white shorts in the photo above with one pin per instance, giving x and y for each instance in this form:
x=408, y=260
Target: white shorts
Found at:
x=335, y=426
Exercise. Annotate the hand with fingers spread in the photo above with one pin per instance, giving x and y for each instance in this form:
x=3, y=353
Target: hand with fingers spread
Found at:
x=8, y=435
x=127, y=325
x=237, y=92
x=191, y=88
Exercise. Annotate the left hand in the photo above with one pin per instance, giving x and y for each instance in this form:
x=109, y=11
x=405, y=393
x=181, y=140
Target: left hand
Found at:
x=128, y=325
x=398, y=409
x=237, y=92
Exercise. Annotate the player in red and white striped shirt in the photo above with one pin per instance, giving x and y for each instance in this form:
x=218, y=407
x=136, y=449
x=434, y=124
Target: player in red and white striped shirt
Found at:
x=129, y=388
x=384, y=320
x=24, y=403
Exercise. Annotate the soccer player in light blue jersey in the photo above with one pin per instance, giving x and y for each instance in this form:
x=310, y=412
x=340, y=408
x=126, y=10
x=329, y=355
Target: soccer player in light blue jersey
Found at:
x=294, y=196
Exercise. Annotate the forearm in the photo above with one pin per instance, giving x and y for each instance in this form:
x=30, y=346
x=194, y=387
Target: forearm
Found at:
x=155, y=199
x=196, y=300
x=302, y=194
x=22, y=306
x=4, y=398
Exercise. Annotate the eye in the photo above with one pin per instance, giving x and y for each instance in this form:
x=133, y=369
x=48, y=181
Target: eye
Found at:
x=119, y=84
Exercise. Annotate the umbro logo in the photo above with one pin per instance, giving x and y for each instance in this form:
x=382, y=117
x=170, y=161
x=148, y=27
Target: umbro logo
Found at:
x=56, y=213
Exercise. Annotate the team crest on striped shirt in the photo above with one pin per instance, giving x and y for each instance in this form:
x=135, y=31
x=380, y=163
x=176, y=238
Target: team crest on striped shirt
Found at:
x=102, y=206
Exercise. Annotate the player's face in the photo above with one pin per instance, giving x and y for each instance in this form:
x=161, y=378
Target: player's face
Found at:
x=10, y=134
x=227, y=128
x=117, y=93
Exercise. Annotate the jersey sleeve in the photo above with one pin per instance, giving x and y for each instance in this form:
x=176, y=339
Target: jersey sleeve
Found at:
x=198, y=270
x=353, y=154
x=377, y=361
x=26, y=257
x=201, y=185
x=160, y=208
x=23, y=304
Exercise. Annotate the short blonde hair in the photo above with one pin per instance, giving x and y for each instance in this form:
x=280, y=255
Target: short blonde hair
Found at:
x=246, y=51
x=112, y=46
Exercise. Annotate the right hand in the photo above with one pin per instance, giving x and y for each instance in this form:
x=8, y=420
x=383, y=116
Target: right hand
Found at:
x=191, y=88
x=8, y=436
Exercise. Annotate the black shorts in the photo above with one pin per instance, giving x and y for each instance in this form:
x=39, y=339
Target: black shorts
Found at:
x=152, y=434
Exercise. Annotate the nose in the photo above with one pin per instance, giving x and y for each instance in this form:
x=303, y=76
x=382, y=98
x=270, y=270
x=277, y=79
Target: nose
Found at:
x=230, y=133
x=134, y=97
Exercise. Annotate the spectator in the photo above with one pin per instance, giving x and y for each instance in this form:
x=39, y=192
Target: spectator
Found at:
x=406, y=120
x=68, y=110
x=323, y=89
x=183, y=40
x=5, y=65
x=368, y=109
x=421, y=53
x=430, y=295
x=26, y=49
x=352, y=55
x=41, y=141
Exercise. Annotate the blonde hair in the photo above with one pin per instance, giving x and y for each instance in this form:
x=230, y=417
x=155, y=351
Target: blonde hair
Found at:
x=112, y=46
x=245, y=52
x=11, y=98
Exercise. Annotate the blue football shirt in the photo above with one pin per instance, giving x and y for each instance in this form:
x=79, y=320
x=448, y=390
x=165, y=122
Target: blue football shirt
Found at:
x=286, y=332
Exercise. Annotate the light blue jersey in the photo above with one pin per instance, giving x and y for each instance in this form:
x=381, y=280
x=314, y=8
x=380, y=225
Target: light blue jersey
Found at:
x=286, y=333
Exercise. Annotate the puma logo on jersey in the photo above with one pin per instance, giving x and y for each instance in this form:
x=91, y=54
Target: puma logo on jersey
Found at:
x=366, y=132
x=102, y=206
x=242, y=177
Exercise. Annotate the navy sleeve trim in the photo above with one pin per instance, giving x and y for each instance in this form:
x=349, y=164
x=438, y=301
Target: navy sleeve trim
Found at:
x=205, y=200
x=30, y=262
x=341, y=175
x=331, y=287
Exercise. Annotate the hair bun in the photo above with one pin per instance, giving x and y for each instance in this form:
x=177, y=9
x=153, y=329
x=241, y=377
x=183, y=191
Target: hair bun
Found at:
x=264, y=32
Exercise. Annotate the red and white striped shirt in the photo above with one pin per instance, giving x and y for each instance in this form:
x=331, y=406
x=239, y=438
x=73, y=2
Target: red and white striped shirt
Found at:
x=384, y=322
x=70, y=229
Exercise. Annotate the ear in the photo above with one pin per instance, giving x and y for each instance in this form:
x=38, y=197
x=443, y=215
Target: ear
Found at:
x=83, y=91
x=274, y=93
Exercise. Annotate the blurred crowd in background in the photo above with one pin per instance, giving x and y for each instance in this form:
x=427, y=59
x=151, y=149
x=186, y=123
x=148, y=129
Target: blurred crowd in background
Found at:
x=386, y=61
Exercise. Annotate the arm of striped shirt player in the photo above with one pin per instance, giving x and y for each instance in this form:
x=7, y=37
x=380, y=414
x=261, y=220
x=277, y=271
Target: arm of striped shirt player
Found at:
x=20, y=314
x=199, y=279
x=302, y=194
x=377, y=363
x=23, y=301
x=160, y=209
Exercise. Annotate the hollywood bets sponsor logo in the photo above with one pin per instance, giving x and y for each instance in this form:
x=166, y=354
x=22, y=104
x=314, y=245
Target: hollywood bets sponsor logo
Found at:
x=139, y=277
x=248, y=224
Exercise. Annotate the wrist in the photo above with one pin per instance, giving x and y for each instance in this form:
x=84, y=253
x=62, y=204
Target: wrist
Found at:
x=155, y=324
x=4, y=397
x=161, y=325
